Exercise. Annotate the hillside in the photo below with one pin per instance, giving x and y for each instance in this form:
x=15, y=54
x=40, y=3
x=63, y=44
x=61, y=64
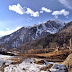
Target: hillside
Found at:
x=67, y=28
x=60, y=39
x=28, y=34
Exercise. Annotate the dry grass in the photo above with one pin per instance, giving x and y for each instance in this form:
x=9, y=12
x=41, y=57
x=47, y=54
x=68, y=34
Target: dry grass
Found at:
x=68, y=60
x=39, y=51
x=53, y=53
x=39, y=62
x=46, y=68
x=51, y=56
x=16, y=59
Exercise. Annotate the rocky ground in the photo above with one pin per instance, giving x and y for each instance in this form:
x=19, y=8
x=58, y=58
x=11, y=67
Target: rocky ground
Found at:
x=16, y=64
x=56, y=61
x=29, y=65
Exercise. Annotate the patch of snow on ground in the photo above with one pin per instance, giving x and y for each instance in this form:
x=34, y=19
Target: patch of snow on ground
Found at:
x=4, y=59
x=7, y=39
x=28, y=65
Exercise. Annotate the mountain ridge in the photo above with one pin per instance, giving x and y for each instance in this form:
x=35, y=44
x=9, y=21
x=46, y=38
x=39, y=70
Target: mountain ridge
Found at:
x=60, y=39
x=25, y=34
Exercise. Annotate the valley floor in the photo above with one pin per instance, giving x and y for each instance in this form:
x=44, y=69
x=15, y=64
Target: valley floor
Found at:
x=29, y=65
x=48, y=62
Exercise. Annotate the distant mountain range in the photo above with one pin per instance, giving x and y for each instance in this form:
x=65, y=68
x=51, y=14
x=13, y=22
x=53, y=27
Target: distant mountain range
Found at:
x=28, y=34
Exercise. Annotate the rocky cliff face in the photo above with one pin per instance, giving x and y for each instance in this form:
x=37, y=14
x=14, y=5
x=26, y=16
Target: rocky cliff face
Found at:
x=28, y=34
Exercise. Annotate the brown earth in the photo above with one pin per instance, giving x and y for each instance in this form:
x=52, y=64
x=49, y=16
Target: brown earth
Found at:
x=68, y=62
x=55, y=56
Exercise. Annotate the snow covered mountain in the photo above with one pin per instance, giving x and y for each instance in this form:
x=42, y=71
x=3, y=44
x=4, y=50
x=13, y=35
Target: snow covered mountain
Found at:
x=27, y=34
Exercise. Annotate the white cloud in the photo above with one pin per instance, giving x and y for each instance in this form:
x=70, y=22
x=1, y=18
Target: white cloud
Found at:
x=32, y=13
x=67, y=3
x=46, y=10
x=36, y=14
x=17, y=8
x=8, y=31
x=61, y=12
x=41, y=11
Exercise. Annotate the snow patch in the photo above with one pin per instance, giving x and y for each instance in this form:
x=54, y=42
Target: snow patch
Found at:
x=5, y=59
x=28, y=65
x=7, y=39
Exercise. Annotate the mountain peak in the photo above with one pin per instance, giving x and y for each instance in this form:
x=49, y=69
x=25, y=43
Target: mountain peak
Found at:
x=27, y=34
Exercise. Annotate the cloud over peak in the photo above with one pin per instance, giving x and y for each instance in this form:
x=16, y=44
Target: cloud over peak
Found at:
x=18, y=9
x=61, y=12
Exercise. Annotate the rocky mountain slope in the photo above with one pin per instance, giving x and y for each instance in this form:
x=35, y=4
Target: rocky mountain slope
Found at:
x=60, y=39
x=28, y=34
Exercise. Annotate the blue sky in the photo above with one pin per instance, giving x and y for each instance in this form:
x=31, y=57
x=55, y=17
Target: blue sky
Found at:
x=15, y=14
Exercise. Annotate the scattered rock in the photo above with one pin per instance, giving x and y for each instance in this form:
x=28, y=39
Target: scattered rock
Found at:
x=46, y=68
x=40, y=62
